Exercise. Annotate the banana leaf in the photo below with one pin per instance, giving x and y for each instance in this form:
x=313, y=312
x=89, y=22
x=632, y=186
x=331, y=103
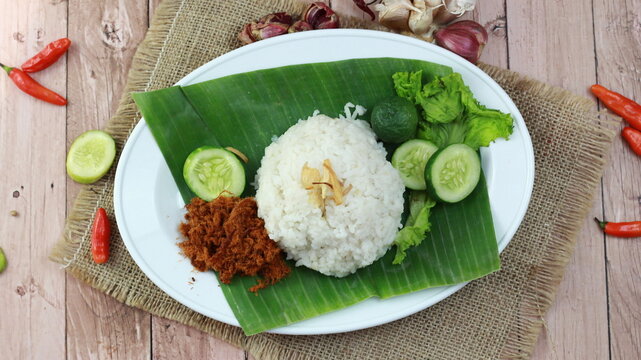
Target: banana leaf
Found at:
x=246, y=111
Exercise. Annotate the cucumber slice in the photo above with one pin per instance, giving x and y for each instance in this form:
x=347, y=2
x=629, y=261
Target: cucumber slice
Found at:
x=452, y=173
x=210, y=172
x=90, y=156
x=410, y=159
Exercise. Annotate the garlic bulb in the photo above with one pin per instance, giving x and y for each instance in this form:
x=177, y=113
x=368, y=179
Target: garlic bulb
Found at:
x=459, y=7
x=453, y=9
x=421, y=17
x=420, y=22
x=394, y=14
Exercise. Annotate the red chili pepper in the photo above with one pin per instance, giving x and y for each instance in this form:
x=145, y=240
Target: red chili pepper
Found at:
x=100, y=236
x=363, y=6
x=47, y=56
x=27, y=84
x=629, y=110
x=633, y=137
x=622, y=229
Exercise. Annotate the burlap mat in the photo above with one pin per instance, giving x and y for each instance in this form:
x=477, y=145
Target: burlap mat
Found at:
x=498, y=316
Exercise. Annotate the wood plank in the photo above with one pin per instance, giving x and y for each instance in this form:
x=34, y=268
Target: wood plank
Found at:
x=576, y=325
x=99, y=327
x=32, y=182
x=618, y=35
x=105, y=37
x=491, y=14
x=153, y=5
x=552, y=41
x=173, y=340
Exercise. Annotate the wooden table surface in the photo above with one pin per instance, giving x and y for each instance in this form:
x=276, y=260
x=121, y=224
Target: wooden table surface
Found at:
x=47, y=314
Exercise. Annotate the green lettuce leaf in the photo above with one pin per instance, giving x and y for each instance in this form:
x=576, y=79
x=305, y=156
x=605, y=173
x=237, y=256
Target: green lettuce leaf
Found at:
x=416, y=226
x=443, y=135
x=408, y=84
x=441, y=99
x=451, y=114
x=486, y=125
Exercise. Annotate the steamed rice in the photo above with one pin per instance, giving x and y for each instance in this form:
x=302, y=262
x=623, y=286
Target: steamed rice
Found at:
x=351, y=235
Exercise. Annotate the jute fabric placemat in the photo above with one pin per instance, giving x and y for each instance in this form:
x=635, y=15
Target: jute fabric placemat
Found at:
x=498, y=316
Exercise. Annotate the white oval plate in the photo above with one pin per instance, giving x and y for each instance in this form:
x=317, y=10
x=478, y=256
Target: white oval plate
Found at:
x=149, y=208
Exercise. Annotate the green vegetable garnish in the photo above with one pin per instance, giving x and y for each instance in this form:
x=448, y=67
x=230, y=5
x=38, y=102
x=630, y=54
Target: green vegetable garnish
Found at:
x=416, y=225
x=486, y=125
x=442, y=135
x=441, y=99
x=408, y=84
x=451, y=114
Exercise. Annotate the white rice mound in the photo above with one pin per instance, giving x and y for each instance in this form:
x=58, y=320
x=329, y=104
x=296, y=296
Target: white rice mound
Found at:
x=351, y=235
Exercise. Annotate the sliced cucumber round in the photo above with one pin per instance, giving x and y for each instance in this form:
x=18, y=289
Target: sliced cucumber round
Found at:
x=211, y=172
x=90, y=156
x=410, y=159
x=452, y=173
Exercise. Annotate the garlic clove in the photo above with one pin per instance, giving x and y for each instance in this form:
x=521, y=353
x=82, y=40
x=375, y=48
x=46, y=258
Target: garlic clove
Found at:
x=395, y=20
x=471, y=26
x=461, y=42
x=420, y=21
x=395, y=14
x=442, y=16
x=309, y=176
x=335, y=184
x=452, y=9
x=459, y=7
x=238, y=153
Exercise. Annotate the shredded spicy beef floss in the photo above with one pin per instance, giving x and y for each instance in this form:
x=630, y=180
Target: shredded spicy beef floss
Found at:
x=226, y=235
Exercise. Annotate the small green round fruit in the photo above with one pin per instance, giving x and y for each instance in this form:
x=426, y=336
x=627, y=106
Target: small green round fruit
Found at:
x=394, y=120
